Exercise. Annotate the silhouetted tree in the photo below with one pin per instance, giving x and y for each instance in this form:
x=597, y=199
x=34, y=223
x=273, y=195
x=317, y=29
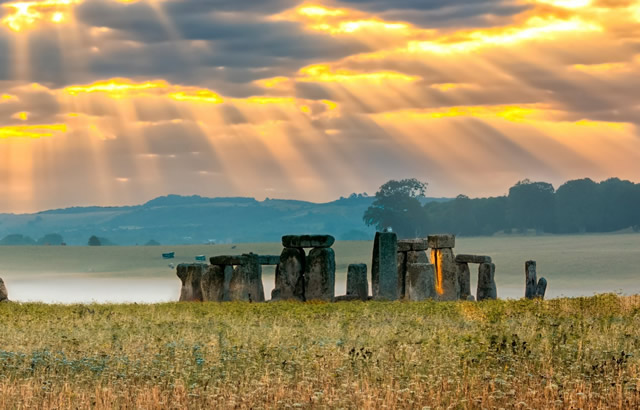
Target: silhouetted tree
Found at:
x=94, y=241
x=397, y=206
x=577, y=206
x=531, y=205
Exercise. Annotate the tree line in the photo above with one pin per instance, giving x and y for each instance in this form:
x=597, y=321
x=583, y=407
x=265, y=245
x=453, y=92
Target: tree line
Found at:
x=577, y=206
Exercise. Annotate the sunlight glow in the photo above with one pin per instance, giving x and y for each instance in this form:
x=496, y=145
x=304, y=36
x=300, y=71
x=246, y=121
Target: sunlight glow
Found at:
x=324, y=73
x=27, y=14
x=32, y=131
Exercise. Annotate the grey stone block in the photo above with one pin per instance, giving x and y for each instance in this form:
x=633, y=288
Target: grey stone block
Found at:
x=269, y=259
x=441, y=241
x=401, y=260
x=384, y=266
x=290, y=275
x=473, y=259
x=213, y=284
x=246, y=281
x=447, y=284
x=357, y=282
x=464, y=278
x=231, y=260
x=308, y=241
x=320, y=275
x=541, y=288
x=531, y=280
x=420, y=281
x=486, y=282
x=4, y=295
x=190, y=275
x=407, y=245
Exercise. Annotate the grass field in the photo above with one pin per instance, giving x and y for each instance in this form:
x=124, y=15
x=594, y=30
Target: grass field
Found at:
x=561, y=353
x=574, y=266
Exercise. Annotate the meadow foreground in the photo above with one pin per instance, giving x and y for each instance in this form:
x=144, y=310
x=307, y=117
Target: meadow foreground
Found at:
x=566, y=353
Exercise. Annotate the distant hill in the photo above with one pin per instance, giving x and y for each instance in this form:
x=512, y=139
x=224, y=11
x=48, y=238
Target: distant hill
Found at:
x=178, y=219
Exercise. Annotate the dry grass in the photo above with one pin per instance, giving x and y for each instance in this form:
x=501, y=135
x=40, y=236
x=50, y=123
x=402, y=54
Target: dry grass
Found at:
x=564, y=353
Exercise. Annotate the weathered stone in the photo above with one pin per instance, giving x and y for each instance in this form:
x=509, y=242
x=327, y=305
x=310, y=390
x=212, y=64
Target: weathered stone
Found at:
x=473, y=259
x=290, y=275
x=213, y=284
x=541, y=288
x=404, y=259
x=4, y=295
x=441, y=241
x=357, y=282
x=447, y=284
x=246, y=281
x=531, y=279
x=417, y=257
x=420, y=281
x=464, y=278
x=308, y=241
x=231, y=260
x=320, y=275
x=401, y=261
x=407, y=245
x=269, y=259
x=191, y=276
x=486, y=282
x=384, y=266
x=470, y=298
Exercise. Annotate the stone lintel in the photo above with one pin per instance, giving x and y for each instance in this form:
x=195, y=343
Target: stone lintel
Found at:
x=473, y=259
x=442, y=241
x=308, y=241
x=408, y=245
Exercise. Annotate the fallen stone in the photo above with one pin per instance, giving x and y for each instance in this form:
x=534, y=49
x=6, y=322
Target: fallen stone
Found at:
x=290, y=275
x=191, y=276
x=4, y=295
x=530, y=278
x=269, y=259
x=320, y=275
x=231, y=260
x=473, y=259
x=213, y=284
x=357, y=282
x=308, y=241
x=246, y=281
x=420, y=281
x=464, y=278
x=407, y=245
x=541, y=288
x=486, y=282
x=447, y=284
x=441, y=241
x=384, y=266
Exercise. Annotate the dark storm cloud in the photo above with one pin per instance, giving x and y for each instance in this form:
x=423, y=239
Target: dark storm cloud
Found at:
x=441, y=13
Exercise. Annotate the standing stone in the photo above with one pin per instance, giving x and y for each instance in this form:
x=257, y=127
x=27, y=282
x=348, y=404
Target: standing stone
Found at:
x=384, y=266
x=447, y=284
x=4, y=295
x=420, y=281
x=290, y=275
x=246, y=281
x=486, y=282
x=191, y=277
x=357, y=283
x=530, y=279
x=541, y=288
x=213, y=284
x=464, y=277
x=320, y=275
x=401, y=260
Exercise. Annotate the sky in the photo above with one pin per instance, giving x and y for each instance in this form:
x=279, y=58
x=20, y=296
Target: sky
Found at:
x=109, y=102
